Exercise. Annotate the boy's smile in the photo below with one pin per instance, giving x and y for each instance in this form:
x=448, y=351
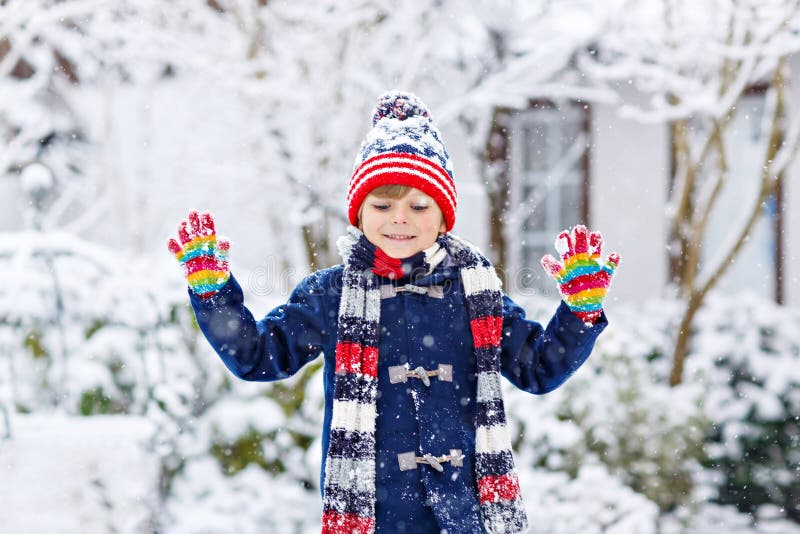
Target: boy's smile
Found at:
x=403, y=226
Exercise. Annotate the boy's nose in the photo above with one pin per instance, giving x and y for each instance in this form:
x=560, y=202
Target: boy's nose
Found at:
x=400, y=216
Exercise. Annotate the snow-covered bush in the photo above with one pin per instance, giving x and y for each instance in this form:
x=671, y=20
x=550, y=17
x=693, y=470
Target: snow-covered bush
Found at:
x=750, y=350
x=592, y=501
x=84, y=333
x=728, y=434
x=261, y=425
x=90, y=336
x=205, y=500
x=647, y=434
x=620, y=409
x=251, y=462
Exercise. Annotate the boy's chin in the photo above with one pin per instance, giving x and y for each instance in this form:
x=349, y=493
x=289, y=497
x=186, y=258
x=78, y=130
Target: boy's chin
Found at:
x=400, y=254
x=401, y=251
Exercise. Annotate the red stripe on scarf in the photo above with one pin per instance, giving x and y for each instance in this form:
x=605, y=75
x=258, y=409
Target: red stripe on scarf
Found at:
x=486, y=331
x=387, y=266
x=355, y=358
x=334, y=523
x=495, y=488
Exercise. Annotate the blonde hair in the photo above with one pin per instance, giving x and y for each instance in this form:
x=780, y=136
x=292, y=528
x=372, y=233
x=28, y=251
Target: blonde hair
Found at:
x=393, y=191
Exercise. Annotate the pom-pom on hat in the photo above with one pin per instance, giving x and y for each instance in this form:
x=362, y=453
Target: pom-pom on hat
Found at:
x=403, y=147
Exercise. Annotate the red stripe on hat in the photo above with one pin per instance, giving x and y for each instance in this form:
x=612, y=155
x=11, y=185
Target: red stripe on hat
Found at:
x=487, y=331
x=407, y=156
x=356, y=358
x=387, y=266
x=495, y=488
x=335, y=523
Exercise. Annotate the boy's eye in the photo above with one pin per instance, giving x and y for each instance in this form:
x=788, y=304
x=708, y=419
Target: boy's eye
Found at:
x=381, y=207
x=421, y=207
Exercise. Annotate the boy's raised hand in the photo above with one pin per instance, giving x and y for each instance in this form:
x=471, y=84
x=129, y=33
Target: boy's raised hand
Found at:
x=582, y=277
x=203, y=257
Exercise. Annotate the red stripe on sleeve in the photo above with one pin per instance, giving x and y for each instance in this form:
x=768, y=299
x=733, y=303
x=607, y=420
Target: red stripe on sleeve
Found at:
x=487, y=331
x=496, y=488
x=588, y=317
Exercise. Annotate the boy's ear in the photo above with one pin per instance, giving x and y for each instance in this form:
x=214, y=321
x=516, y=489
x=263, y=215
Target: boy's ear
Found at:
x=442, y=227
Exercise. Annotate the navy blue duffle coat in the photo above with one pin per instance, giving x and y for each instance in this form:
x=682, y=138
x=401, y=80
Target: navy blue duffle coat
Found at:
x=417, y=329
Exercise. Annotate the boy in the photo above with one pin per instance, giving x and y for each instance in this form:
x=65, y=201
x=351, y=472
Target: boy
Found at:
x=415, y=332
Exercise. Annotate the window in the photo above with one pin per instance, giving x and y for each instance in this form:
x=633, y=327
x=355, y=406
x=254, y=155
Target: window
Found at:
x=549, y=163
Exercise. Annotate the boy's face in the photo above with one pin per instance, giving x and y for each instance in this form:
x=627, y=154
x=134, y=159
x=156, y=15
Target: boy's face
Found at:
x=404, y=226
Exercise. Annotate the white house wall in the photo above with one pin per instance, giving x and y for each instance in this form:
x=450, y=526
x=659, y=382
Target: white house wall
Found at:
x=628, y=175
x=472, y=217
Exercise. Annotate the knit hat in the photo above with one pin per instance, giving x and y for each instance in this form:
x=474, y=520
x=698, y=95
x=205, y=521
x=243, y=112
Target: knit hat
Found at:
x=403, y=147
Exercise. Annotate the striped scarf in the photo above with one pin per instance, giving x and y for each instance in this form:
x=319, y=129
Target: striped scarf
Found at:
x=349, y=492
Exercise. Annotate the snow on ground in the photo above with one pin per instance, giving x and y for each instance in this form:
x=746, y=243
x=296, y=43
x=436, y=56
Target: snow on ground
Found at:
x=77, y=474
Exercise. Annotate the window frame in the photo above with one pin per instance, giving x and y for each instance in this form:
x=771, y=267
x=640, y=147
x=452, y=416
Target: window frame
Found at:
x=519, y=119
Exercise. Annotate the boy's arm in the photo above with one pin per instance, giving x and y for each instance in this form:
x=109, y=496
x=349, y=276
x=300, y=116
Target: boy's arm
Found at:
x=538, y=360
x=275, y=347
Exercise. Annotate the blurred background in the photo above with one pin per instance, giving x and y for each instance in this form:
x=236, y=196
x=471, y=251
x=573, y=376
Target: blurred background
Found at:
x=672, y=126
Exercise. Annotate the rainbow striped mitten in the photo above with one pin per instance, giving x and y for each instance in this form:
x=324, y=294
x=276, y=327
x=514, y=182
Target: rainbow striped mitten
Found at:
x=582, y=279
x=204, y=259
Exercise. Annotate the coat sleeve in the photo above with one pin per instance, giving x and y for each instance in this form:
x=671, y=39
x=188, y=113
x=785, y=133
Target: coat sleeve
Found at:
x=538, y=360
x=277, y=346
